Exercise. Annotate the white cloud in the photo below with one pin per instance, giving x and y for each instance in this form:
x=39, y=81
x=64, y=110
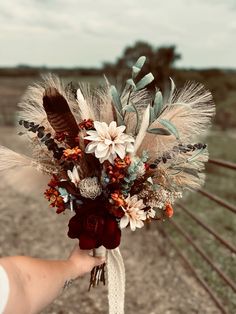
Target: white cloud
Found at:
x=87, y=32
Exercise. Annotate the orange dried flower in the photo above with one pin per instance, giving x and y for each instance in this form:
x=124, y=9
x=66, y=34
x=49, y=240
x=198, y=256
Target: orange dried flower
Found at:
x=118, y=198
x=72, y=153
x=122, y=163
x=86, y=124
x=169, y=211
x=53, y=182
x=117, y=172
x=53, y=196
x=61, y=136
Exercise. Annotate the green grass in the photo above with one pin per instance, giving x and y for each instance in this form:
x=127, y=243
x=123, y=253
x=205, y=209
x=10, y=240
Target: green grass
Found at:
x=221, y=182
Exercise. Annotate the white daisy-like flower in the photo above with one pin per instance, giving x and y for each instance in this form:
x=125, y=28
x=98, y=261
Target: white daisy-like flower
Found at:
x=150, y=213
x=74, y=176
x=134, y=213
x=109, y=141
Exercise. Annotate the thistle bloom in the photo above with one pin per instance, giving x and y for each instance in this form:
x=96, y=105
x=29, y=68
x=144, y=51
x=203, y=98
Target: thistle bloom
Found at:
x=90, y=188
x=134, y=213
x=108, y=141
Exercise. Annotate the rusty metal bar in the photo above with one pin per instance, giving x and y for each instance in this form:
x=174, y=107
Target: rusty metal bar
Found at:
x=192, y=269
x=222, y=163
x=231, y=247
x=226, y=279
x=218, y=200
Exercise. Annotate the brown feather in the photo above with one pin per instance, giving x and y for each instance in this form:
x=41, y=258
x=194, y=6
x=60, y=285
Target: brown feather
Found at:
x=59, y=114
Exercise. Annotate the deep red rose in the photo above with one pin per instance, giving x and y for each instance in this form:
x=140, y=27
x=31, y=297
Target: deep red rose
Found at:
x=93, y=228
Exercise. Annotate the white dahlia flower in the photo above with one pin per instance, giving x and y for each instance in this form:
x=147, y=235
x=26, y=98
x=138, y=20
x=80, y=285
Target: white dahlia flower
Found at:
x=109, y=141
x=134, y=213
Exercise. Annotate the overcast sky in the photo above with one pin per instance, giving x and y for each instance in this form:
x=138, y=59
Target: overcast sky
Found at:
x=88, y=32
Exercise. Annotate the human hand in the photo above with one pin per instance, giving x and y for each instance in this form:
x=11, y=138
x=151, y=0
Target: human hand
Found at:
x=82, y=261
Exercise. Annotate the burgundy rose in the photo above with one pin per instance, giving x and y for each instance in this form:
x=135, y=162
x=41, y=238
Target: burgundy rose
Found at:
x=93, y=228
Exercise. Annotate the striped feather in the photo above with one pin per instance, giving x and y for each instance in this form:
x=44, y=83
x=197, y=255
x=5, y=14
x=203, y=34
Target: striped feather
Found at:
x=59, y=114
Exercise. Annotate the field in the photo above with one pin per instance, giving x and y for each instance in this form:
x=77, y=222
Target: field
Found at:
x=157, y=280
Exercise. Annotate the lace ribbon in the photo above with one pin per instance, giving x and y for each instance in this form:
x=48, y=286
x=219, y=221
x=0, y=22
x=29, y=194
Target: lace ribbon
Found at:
x=116, y=281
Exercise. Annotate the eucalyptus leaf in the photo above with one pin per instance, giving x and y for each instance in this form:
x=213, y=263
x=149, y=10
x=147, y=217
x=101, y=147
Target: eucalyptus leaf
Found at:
x=116, y=99
x=152, y=115
x=127, y=180
x=131, y=83
x=159, y=131
x=158, y=104
x=147, y=79
x=170, y=127
x=129, y=108
x=133, y=177
x=135, y=71
x=197, y=153
x=120, y=120
x=117, y=105
x=140, y=62
x=137, y=120
x=138, y=66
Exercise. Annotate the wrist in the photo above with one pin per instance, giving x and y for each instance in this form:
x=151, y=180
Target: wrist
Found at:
x=74, y=271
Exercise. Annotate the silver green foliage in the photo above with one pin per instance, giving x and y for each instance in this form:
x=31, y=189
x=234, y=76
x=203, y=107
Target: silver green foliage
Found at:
x=155, y=110
x=132, y=172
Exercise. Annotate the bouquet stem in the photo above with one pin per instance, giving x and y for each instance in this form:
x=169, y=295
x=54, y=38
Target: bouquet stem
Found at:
x=98, y=272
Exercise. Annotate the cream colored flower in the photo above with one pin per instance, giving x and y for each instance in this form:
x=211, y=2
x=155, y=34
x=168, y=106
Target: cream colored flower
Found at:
x=150, y=213
x=109, y=141
x=74, y=176
x=134, y=213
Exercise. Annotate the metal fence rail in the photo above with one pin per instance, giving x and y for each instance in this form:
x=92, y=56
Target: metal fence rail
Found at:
x=196, y=275
x=232, y=208
x=225, y=278
x=231, y=247
x=223, y=163
x=218, y=200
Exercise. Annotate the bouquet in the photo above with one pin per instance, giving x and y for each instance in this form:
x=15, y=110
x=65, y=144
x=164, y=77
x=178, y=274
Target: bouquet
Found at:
x=116, y=159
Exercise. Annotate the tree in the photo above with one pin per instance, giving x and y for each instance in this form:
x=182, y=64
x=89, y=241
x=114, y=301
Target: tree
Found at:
x=160, y=62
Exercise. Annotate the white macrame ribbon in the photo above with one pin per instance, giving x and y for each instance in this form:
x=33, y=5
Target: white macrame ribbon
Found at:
x=116, y=281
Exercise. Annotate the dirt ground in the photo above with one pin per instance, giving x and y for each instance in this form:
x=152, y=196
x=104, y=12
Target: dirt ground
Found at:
x=157, y=281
